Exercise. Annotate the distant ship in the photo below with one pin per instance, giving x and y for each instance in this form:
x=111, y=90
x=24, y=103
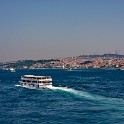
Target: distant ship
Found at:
x=66, y=68
x=32, y=81
x=12, y=69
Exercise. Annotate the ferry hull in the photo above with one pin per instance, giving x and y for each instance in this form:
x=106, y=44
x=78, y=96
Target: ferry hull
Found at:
x=35, y=86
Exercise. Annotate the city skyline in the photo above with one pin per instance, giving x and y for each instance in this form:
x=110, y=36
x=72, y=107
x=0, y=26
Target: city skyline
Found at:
x=57, y=29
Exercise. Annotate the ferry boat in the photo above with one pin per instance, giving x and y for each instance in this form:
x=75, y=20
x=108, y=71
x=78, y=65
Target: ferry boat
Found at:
x=12, y=69
x=32, y=81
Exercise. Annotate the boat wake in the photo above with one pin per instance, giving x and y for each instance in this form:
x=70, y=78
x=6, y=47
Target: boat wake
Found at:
x=18, y=85
x=116, y=102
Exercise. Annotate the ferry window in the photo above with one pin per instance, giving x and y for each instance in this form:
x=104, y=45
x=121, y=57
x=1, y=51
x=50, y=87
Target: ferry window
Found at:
x=46, y=81
x=34, y=81
x=44, y=78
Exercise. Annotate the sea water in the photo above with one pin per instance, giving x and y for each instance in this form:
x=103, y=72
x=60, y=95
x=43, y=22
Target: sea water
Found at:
x=85, y=96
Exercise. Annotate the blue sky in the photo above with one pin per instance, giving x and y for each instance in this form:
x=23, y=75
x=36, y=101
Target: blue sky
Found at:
x=43, y=29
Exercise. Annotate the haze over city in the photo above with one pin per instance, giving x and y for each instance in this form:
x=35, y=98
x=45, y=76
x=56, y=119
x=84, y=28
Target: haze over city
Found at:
x=43, y=29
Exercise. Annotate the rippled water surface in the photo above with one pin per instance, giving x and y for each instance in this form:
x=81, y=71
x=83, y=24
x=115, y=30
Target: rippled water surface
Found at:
x=86, y=96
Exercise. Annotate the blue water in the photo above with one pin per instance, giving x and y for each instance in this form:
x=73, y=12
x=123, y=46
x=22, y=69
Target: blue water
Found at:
x=93, y=96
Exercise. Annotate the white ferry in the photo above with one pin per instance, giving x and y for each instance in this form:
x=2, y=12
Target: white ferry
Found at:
x=32, y=81
x=12, y=69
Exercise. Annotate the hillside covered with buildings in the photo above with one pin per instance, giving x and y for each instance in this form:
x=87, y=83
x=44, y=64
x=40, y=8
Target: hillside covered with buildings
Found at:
x=82, y=61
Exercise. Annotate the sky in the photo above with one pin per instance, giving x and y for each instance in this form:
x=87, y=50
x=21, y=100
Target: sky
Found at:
x=46, y=29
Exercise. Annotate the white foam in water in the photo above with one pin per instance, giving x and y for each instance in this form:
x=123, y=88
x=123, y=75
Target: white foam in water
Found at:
x=115, y=103
x=84, y=94
x=76, y=92
x=88, y=96
x=18, y=85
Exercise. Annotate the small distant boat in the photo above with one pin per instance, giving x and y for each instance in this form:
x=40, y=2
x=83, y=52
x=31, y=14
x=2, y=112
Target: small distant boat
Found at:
x=12, y=69
x=66, y=68
x=32, y=81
